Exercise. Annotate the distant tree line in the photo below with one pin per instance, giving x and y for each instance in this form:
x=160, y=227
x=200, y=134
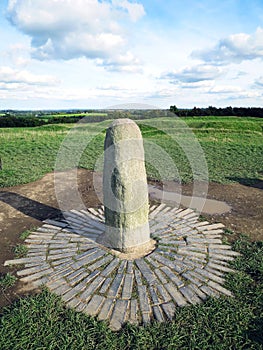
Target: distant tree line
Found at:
x=10, y=119
x=256, y=112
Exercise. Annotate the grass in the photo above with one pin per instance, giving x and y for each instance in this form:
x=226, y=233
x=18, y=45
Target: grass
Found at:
x=232, y=147
x=42, y=322
x=20, y=250
x=7, y=281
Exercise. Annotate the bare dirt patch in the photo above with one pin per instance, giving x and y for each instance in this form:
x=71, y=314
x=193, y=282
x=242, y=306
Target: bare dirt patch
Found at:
x=25, y=207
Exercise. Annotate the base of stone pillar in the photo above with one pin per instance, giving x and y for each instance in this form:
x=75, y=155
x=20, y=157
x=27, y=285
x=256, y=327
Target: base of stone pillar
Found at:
x=134, y=252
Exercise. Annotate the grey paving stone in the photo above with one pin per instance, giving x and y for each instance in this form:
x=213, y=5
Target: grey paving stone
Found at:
x=39, y=259
x=122, y=267
x=215, y=272
x=209, y=291
x=209, y=275
x=58, y=264
x=192, y=263
x=219, y=262
x=154, y=296
x=146, y=271
x=160, y=275
x=152, y=262
x=190, y=295
x=33, y=270
x=116, y=286
x=169, y=310
x=70, y=294
x=110, y=268
x=91, y=288
x=174, y=247
x=219, y=288
x=202, y=223
x=213, y=232
x=62, y=246
x=175, y=265
x=118, y=314
x=143, y=299
x=200, y=248
x=172, y=277
x=90, y=258
x=197, y=276
x=81, y=306
x=133, y=319
x=63, y=289
x=75, y=274
x=221, y=257
x=219, y=246
x=175, y=294
x=198, y=291
x=94, y=305
x=37, y=246
x=106, y=285
x=62, y=251
x=73, y=303
x=40, y=282
x=158, y=314
x=106, y=309
x=146, y=318
x=210, y=227
x=53, y=284
x=192, y=253
x=91, y=276
x=163, y=293
x=192, y=279
x=100, y=262
x=157, y=210
x=138, y=277
x=37, y=275
x=127, y=287
x=129, y=267
x=60, y=256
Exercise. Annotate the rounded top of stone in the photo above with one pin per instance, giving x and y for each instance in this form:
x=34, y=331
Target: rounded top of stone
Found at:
x=122, y=129
x=122, y=121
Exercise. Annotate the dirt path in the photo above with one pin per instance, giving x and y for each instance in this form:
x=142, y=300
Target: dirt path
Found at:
x=24, y=207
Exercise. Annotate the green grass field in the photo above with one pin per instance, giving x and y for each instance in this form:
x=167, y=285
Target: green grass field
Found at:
x=233, y=151
x=232, y=147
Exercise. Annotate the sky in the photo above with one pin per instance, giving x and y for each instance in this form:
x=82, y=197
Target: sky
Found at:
x=65, y=54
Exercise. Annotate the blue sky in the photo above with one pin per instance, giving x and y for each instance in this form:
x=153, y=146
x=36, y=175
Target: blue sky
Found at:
x=94, y=54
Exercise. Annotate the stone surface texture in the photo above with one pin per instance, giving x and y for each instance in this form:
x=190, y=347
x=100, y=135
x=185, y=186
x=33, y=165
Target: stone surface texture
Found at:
x=187, y=265
x=125, y=191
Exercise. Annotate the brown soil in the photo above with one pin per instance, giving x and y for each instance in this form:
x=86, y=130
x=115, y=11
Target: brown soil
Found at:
x=25, y=207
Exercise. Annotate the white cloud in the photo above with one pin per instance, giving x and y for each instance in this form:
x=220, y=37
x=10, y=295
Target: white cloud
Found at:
x=234, y=49
x=224, y=89
x=193, y=74
x=135, y=10
x=67, y=29
x=12, y=76
x=259, y=82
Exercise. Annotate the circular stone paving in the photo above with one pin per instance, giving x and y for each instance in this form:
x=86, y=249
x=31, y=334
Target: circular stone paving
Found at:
x=187, y=265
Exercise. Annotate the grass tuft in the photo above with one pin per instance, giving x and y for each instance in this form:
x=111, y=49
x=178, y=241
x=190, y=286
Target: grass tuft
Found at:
x=7, y=281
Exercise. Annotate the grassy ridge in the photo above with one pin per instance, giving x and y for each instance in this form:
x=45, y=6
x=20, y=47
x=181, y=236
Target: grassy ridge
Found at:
x=233, y=148
x=42, y=322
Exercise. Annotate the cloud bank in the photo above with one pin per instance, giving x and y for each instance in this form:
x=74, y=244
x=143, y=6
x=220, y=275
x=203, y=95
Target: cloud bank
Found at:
x=234, y=49
x=68, y=29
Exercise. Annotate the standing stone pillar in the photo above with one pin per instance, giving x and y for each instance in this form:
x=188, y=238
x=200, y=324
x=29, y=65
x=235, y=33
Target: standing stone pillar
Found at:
x=125, y=191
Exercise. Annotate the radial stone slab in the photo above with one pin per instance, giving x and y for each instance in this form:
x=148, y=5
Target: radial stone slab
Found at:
x=187, y=265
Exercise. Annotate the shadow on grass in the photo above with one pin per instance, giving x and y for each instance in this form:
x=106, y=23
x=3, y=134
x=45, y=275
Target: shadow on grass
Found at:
x=251, y=182
x=29, y=206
